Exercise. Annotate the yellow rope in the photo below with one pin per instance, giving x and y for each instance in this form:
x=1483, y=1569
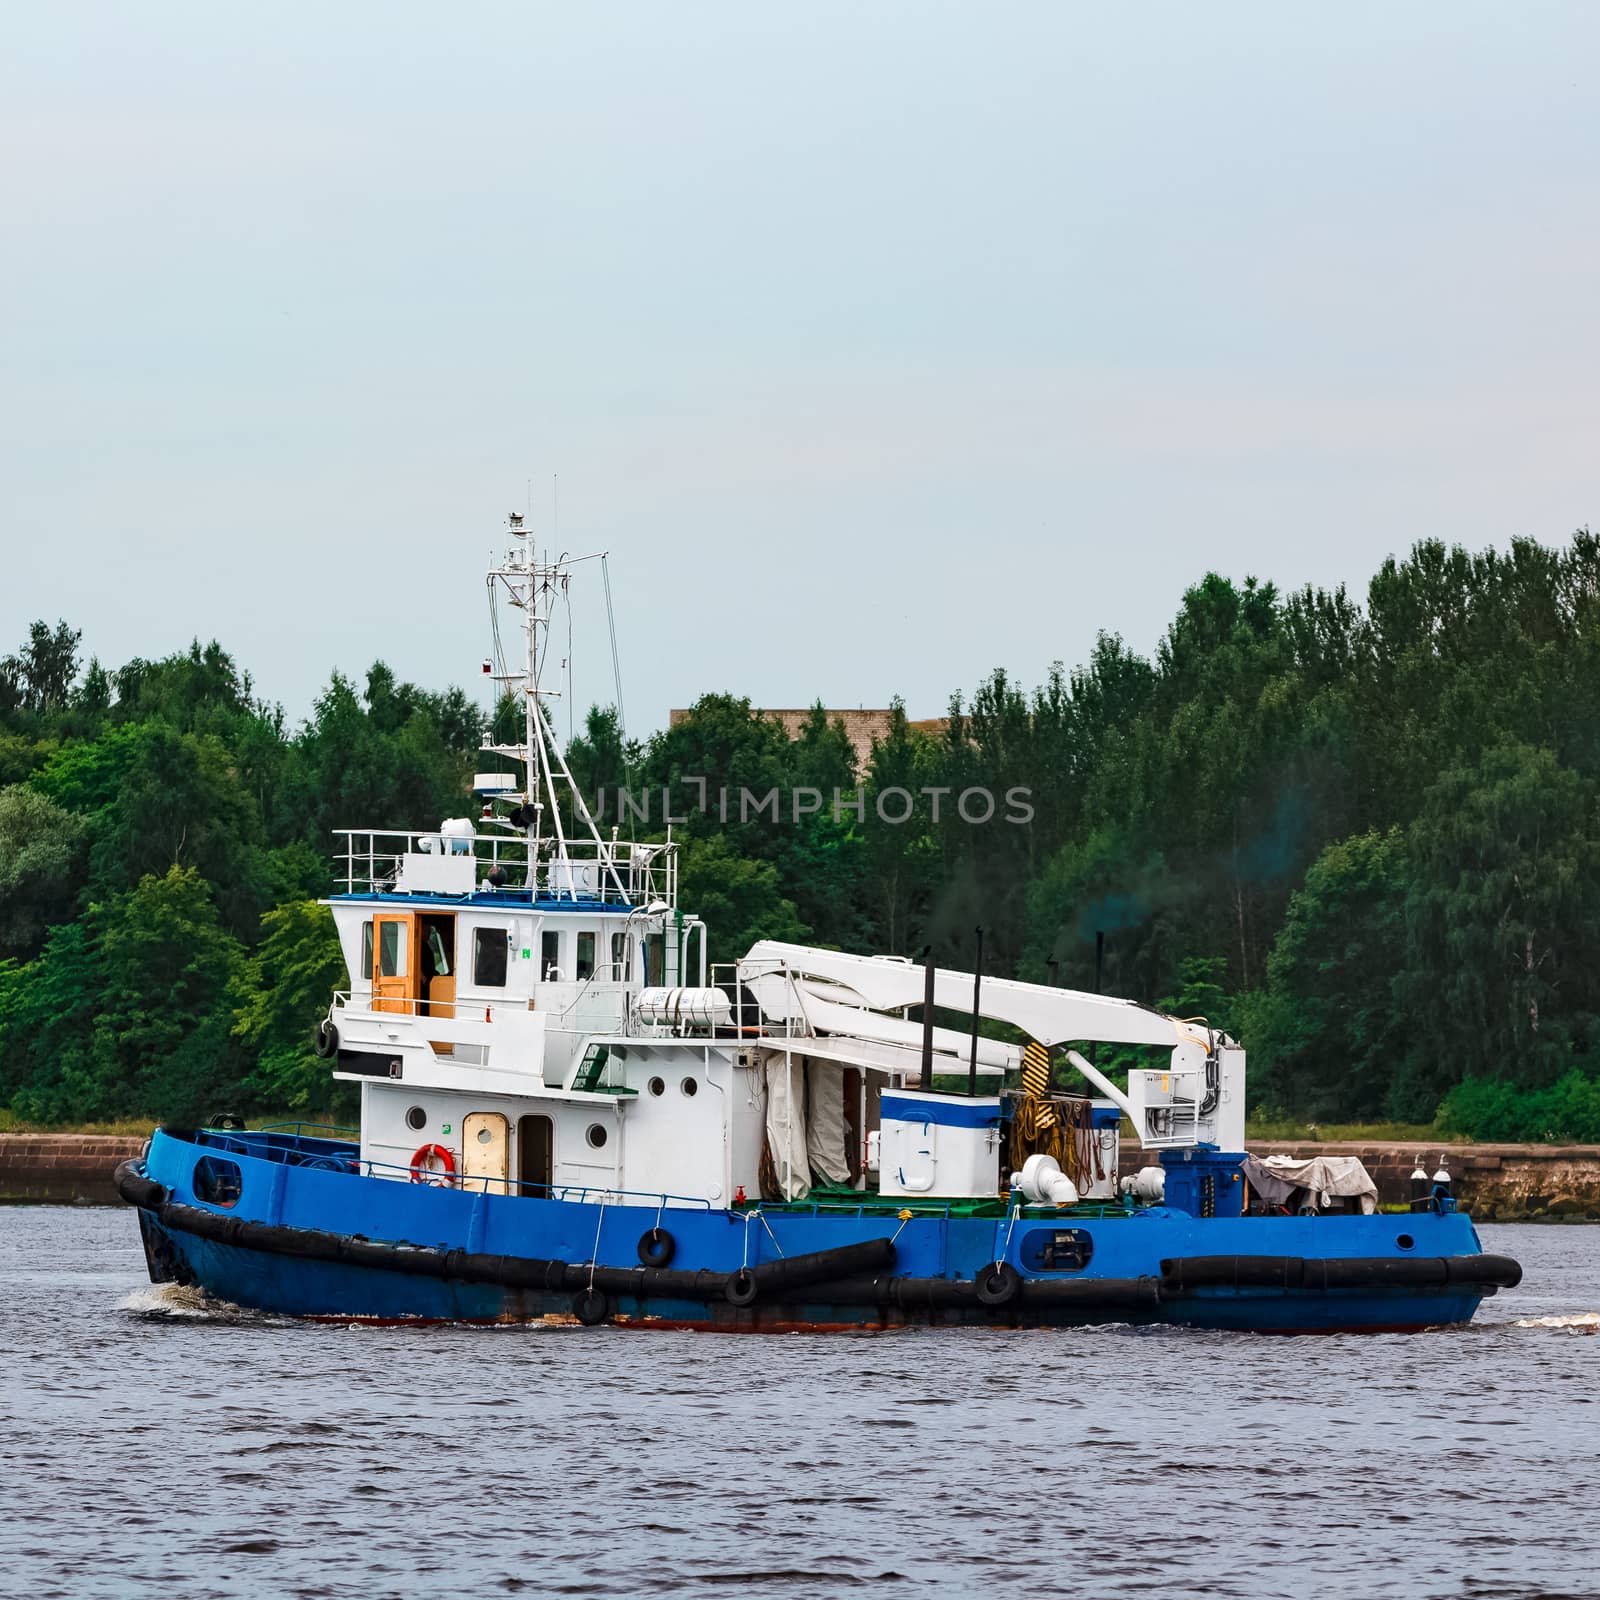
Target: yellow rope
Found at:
x=1060, y=1126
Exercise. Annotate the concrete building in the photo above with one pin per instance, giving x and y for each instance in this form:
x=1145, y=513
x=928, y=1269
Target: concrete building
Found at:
x=861, y=724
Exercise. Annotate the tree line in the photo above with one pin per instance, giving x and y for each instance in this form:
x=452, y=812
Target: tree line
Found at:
x=1360, y=834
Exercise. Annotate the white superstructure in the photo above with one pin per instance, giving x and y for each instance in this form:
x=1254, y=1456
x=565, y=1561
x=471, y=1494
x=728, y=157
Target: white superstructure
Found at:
x=529, y=1008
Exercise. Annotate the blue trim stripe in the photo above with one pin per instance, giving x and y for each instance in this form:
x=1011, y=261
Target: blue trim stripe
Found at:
x=485, y=900
x=945, y=1112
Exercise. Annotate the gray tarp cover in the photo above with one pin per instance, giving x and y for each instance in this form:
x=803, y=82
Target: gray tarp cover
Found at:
x=1323, y=1177
x=803, y=1142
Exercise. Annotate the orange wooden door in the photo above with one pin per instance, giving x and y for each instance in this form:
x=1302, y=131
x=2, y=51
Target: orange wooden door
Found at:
x=395, y=965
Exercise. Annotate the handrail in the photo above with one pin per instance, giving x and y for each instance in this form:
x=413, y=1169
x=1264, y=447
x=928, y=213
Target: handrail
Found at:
x=299, y=1129
x=415, y=1006
x=625, y=871
x=238, y=1143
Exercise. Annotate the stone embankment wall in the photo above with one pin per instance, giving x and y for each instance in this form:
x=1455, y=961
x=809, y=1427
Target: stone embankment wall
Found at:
x=1495, y=1182
x=62, y=1168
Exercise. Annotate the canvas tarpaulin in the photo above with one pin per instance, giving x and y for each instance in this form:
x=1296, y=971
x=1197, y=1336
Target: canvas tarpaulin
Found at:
x=825, y=1136
x=805, y=1123
x=1322, y=1178
x=786, y=1124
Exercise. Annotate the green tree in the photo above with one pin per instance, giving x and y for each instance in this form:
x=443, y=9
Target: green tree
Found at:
x=179, y=802
x=902, y=858
x=1503, y=924
x=1325, y=1035
x=39, y=677
x=201, y=689
x=739, y=899
x=127, y=1011
x=387, y=766
x=43, y=855
x=602, y=762
x=285, y=987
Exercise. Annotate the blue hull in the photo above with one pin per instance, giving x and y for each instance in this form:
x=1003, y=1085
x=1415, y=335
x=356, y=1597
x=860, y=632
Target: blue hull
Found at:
x=256, y=1245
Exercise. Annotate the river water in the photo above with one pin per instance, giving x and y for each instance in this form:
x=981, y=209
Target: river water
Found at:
x=158, y=1446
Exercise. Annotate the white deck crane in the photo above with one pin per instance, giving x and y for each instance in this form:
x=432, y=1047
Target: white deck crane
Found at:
x=842, y=1006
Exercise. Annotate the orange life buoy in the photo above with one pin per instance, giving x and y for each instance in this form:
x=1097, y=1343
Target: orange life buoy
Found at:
x=423, y=1169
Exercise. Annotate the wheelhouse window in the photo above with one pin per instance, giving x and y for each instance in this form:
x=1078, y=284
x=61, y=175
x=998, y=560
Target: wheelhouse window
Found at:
x=619, y=958
x=366, y=950
x=391, y=949
x=490, y=951
x=549, y=955
x=585, y=963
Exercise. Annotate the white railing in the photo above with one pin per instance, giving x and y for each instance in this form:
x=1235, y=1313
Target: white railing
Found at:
x=365, y=1005
x=1166, y=1107
x=744, y=1018
x=614, y=872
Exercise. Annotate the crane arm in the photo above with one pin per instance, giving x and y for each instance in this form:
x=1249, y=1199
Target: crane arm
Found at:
x=1199, y=1095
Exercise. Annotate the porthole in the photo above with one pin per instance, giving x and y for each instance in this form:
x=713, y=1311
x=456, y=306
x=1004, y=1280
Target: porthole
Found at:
x=690, y=1086
x=216, y=1181
x=1405, y=1241
x=416, y=1119
x=484, y=1136
x=596, y=1135
x=658, y=1086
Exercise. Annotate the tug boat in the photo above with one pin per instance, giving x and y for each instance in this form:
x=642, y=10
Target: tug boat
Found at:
x=569, y=1115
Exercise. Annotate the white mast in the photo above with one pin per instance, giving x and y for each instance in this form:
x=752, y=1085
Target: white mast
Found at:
x=532, y=587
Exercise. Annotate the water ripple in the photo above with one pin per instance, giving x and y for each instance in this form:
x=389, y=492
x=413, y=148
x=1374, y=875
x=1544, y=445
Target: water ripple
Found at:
x=160, y=1442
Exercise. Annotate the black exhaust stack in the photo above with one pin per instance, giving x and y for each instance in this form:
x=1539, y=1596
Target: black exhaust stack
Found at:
x=977, y=985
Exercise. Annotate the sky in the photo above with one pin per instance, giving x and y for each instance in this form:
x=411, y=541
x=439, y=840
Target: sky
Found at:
x=878, y=344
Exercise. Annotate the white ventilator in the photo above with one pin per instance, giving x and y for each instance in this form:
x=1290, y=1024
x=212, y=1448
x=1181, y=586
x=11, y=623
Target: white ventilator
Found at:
x=1044, y=1183
x=1148, y=1184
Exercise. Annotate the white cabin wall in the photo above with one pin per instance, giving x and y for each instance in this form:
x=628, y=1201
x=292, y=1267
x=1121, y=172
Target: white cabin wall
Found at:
x=347, y=922
x=388, y=1139
x=704, y=1145
x=518, y=988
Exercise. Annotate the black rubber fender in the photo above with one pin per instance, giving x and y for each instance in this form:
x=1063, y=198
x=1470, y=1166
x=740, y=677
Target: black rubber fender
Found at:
x=1321, y=1273
x=819, y=1266
x=325, y=1041
x=657, y=1247
x=1256, y=1272
x=1497, y=1272
x=940, y=1294
x=590, y=1308
x=900, y=1294
x=1375, y=1272
x=743, y=1287
x=137, y=1189
x=1093, y=1294
x=997, y=1284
